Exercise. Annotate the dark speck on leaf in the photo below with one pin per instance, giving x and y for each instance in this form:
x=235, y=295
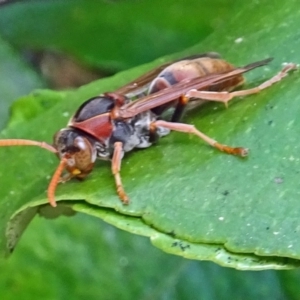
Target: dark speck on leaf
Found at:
x=270, y=122
x=182, y=247
x=225, y=193
x=10, y=248
x=172, y=233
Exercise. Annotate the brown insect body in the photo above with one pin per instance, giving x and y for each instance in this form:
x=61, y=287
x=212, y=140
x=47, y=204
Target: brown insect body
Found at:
x=106, y=126
x=94, y=119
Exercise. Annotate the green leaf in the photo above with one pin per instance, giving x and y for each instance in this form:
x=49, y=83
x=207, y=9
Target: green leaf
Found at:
x=28, y=107
x=82, y=257
x=112, y=35
x=16, y=79
x=183, y=192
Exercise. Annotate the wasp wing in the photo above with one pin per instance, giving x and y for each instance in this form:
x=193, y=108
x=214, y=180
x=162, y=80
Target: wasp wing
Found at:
x=139, y=85
x=174, y=92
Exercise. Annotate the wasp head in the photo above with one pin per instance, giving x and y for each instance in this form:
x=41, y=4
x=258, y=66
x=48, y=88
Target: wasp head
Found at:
x=77, y=150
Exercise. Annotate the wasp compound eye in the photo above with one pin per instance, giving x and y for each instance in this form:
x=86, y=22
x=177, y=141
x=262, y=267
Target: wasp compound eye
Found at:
x=64, y=141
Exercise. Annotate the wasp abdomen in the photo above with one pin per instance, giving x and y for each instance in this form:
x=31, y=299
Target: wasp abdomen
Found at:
x=218, y=66
x=189, y=69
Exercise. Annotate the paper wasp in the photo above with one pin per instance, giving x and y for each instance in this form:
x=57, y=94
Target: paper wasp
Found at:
x=107, y=126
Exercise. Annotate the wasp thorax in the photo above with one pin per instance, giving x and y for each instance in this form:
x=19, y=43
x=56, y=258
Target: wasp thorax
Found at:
x=77, y=149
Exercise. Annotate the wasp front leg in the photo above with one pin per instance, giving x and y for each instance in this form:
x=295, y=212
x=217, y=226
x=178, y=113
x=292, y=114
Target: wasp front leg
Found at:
x=225, y=97
x=115, y=168
x=186, y=128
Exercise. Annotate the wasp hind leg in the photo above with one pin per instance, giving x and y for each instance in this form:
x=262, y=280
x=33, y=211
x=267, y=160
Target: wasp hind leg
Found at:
x=225, y=97
x=186, y=128
x=115, y=168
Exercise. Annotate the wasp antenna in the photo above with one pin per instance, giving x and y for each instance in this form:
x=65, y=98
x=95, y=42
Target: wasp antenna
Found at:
x=54, y=182
x=21, y=142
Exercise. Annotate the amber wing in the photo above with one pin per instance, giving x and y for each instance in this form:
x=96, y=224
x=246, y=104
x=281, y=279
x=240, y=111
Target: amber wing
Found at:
x=141, y=83
x=174, y=92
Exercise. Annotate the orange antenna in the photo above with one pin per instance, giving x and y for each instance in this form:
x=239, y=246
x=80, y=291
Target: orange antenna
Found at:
x=55, y=181
x=21, y=142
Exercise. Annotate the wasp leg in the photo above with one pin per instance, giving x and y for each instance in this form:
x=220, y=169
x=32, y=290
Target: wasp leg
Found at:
x=240, y=151
x=225, y=97
x=179, y=109
x=115, y=168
